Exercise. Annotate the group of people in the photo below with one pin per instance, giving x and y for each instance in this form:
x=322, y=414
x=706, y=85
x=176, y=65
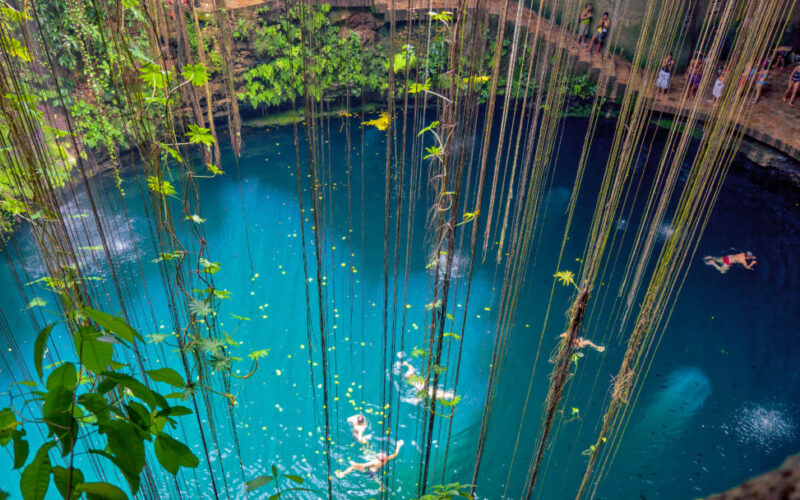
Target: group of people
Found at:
x=585, y=25
x=757, y=73
x=359, y=426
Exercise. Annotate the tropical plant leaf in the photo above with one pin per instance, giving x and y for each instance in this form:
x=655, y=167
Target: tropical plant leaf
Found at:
x=35, y=479
x=62, y=480
x=102, y=491
x=196, y=74
x=200, y=135
x=172, y=454
x=259, y=482
x=113, y=324
x=167, y=375
x=38, y=348
x=93, y=353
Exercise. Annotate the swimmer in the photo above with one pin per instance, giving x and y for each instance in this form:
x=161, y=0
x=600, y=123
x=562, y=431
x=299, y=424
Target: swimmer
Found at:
x=373, y=466
x=421, y=385
x=359, y=426
x=580, y=343
x=722, y=264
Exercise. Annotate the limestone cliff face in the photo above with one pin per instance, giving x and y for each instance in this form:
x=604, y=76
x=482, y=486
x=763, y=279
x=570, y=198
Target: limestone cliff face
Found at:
x=782, y=483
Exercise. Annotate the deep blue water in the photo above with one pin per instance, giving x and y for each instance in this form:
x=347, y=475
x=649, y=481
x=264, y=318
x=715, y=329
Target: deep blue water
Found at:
x=719, y=403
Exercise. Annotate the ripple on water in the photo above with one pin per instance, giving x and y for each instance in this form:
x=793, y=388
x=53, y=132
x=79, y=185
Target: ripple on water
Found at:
x=763, y=426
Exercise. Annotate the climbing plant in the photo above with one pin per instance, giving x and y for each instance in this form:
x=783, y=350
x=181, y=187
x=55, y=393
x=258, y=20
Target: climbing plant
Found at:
x=94, y=394
x=337, y=64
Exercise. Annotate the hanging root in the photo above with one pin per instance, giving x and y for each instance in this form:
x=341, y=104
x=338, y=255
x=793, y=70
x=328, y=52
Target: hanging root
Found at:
x=558, y=379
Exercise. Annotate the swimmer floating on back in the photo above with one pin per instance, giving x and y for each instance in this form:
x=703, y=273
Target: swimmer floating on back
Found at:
x=359, y=425
x=722, y=264
x=422, y=385
x=580, y=343
x=373, y=466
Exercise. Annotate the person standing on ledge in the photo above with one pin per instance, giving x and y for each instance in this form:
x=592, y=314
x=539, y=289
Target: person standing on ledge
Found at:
x=602, y=32
x=724, y=263
x=585, y=25
x=794, y=86
x=373, y=466
x=695, y=75
x=664, y=76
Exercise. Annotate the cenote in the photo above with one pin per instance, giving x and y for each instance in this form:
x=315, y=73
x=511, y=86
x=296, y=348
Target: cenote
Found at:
x=717, y=406
x=292, y=250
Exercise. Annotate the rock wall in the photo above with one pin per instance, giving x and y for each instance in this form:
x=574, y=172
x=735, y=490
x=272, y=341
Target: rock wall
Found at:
x=782, y=483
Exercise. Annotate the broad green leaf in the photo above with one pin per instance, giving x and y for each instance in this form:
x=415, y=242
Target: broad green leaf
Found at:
x=35, y=479
x=57, y=408
x=125, y=445
x=133, y=480
x=96, y=404
x=258, y=482
x=292, y=477
x=20, y=448
x=197, y=74
x=175, y=411
x=38, y=348
x=167, y=375
x=8, y=425
x=139, y=414
x=173, y=454
x=113, y=324
x=199, y=135
x=153, y=399
x=102, y=491
x=94, y=354
x=62, y=480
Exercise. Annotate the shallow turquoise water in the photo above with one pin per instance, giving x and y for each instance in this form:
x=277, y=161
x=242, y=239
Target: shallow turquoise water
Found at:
x=719, y=403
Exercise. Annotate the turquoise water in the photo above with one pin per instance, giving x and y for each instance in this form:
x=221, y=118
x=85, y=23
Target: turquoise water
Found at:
x=719, y=403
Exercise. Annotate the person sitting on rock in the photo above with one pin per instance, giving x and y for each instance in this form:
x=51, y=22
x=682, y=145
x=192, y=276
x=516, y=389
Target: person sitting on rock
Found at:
x=602, y=32
x=724, y=263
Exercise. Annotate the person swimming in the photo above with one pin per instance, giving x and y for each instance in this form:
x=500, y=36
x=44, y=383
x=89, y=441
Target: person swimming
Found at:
x=358, y=426
x=724, y=263
x=372, y=467
x=421, y=385
x=580, y=343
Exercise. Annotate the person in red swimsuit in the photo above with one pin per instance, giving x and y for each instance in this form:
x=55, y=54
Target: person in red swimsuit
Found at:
x=722, y=264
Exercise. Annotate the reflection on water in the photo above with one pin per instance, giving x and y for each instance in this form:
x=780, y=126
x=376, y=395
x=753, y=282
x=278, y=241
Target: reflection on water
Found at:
x=764, y=426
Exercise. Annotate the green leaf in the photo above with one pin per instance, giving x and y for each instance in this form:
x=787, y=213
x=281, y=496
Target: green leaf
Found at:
x=96, y=404
x=35, y=479
x=125, y=444
x=38, y=348
x=20, y=448
x=259, y=482
x=94, y=354
x=102, y=491
x=113, y=324
x=200, y=135
x=36, y=302
x=167, y=375
x=61, y=478
x=173, y=454
x=292, y=477
x=197, y=74
x=175, y=411
x=153, y=399
x=133, y=480
x=57, y=408
x=8, y=425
